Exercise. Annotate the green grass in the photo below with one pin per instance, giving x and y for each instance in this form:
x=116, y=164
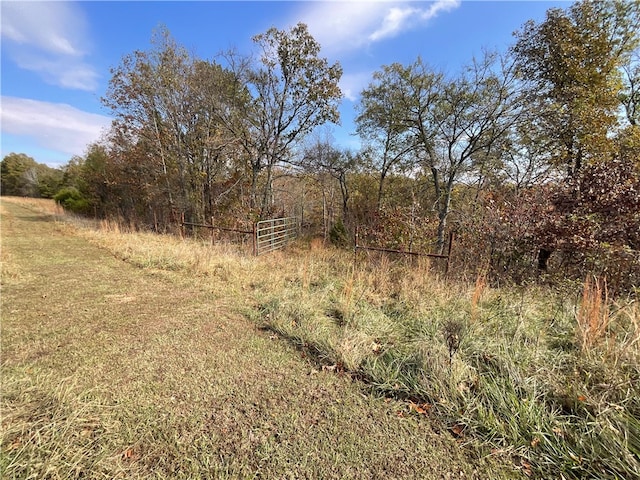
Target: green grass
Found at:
x=145, y=368
x=546, y=381
x=507, y=369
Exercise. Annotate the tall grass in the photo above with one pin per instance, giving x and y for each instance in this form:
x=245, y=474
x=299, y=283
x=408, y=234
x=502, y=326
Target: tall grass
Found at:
x=549, y=379
x=42, y=205
x=593, y=316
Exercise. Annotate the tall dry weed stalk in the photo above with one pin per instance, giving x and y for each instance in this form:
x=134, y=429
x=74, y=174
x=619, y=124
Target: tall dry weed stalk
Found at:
x=110, y=225
x=381, y=277
x=348, y=292
x=306, y=274
x=478, y=290
x=593, y=315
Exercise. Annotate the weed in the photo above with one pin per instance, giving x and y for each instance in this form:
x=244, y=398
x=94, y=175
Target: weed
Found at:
x=453, y=331
x=593, y=314
x=528, y=373
x=480, y=286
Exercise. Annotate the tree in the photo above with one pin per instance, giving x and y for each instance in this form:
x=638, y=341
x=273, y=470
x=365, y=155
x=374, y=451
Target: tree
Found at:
x=49, y=180
x=630, y=95
x=147, y=96
x=322, y=158
x=18, y=171
x=579, y=69
x=293, y=91
x=383, y=117
x=573, y=61
x=449, y=126
x=524, y=154
x=175, y=107
x=21, y=175
x=214, y=155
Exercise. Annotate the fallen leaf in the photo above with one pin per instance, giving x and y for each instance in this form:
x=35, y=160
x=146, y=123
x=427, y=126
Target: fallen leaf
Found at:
x=535, y=442
x=422, y=409
x=128, y=453
x=17, y=443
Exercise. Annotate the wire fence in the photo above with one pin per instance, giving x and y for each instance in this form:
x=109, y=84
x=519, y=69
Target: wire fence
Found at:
x=267, y=235
x=357, y=246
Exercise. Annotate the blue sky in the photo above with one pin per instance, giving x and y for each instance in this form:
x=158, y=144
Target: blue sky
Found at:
x=56, y=56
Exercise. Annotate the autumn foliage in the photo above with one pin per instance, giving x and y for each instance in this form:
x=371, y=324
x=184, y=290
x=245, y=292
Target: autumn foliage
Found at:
x=530, y=156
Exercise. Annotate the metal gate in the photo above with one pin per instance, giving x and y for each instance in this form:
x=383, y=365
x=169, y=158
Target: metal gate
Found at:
x=274, y=234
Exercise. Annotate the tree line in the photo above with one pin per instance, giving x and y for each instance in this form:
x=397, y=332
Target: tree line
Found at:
x=531, y=155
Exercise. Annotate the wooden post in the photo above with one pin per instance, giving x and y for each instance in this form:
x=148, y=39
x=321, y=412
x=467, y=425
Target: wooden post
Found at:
x=183, y=232
x=213, y=230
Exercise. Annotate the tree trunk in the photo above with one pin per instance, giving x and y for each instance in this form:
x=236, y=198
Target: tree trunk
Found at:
x=345, y=197
x=267, y=194
x=443, y=213
x=253, y=194
x=442, y=225
x=383, y=175
x=543, y=259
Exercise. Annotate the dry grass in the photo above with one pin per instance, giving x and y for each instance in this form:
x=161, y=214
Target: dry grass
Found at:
x=593, y=315
x=143, y=368
x=500, y=369
x=40, y=205
x=480, y=287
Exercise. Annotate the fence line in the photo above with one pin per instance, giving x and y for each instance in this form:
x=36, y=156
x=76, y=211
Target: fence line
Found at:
x=357, y=247
x=213, y=229
x=266, y=235
x=274, y=234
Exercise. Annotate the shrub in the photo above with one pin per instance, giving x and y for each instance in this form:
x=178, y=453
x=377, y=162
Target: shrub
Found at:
x=70, y=198
x=338, y=234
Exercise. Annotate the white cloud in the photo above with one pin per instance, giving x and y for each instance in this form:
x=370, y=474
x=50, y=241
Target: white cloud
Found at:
x=352, y=84
x=63, y=72
x=394, y=21
x=51, y=39
x=56, y=126
x=346, y=26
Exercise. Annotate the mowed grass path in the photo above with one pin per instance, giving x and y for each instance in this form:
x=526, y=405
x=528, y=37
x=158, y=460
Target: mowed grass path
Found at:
x=113, y=371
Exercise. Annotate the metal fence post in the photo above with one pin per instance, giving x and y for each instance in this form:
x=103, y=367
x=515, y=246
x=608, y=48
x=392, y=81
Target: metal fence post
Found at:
x=451, y=235
x=254, y=238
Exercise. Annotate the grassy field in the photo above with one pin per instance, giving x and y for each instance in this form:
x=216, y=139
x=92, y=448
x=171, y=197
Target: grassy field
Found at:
x=127, y=356
x=163, y=357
